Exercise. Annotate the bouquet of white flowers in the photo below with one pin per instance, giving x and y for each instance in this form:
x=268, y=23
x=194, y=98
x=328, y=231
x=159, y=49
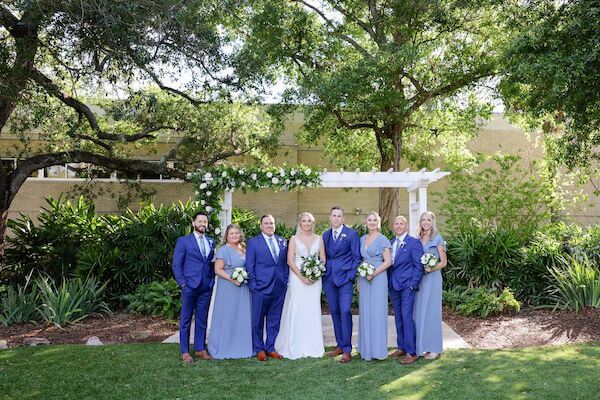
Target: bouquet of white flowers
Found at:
x=240, y=274
x=428, y=260
x=312, y=267
x=365, y=269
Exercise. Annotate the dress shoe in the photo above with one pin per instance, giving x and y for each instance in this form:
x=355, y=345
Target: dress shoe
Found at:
x=431, y=355
x=187, y=358
x=335, y=352
x=398, y=353
x=203, y=355
x=346, y=358
x=275, y=355
x=409, y=359
x=261, y=356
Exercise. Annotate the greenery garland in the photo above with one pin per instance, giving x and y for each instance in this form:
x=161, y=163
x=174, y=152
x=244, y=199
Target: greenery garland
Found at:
x=210, y=183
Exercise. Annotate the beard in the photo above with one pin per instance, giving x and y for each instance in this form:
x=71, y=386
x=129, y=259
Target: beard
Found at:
x=200, y=229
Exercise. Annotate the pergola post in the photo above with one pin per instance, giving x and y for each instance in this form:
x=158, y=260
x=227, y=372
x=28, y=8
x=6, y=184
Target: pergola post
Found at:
x=226, y=210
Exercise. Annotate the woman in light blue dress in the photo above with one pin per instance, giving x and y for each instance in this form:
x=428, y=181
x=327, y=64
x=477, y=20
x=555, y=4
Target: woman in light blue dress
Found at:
x=231, y=329
x=428, y=300
x=373, y=292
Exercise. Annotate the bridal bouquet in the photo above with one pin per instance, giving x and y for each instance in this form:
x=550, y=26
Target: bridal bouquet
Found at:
x=429, y=260
x=312, y=267
x=365, y=269
x=239, y=274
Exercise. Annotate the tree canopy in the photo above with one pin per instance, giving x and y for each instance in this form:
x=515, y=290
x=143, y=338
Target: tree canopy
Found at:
x=379, y=80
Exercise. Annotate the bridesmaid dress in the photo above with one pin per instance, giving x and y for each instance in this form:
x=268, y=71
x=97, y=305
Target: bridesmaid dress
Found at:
x=428, y=305
x=373, y=303
x=231, y=329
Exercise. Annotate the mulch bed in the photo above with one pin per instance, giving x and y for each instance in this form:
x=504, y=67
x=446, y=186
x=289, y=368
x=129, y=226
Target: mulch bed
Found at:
x=119, y=328
x=530, y=327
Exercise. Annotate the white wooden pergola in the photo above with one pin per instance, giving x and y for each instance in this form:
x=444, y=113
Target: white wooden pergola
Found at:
x=415, y=183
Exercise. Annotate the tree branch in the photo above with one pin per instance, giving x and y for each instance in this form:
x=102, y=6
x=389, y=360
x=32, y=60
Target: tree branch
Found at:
x=8, y=20
x=345, y=37
x=347, y=125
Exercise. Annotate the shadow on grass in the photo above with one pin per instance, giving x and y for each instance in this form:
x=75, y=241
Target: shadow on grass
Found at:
x=155, y=372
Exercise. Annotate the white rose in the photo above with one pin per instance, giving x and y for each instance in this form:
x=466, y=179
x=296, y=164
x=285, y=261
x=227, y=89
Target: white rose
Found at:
x=287, y=181
x=293, y=172
x=217, y=231
x=275, y=181
x=196, y=193
x=202, y=202
x=309, y=184
x=207, y=176
x=432, y=263
x=203, y=185
x=253, y=176
x=308, y=171
x=363, y=273
x=281, y=172
x=298, y=181
x=208, y=192
x=240, y=278
x=208, y=208
x=269, y=174
x=224, y=174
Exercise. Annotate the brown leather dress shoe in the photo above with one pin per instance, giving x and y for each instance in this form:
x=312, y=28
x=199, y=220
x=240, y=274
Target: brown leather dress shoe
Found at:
x=398, y=353
x=346, y=358
x=261, y=356
x=409, y=359
x=187, y=358
x=203, y=355
x=275, y=355
x=335, y=352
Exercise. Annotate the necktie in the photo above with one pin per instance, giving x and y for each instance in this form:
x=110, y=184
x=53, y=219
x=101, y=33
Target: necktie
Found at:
x=273, y=248
x=201, y=244
x=335, y=235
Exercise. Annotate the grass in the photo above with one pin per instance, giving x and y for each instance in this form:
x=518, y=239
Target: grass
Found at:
x=153, y=371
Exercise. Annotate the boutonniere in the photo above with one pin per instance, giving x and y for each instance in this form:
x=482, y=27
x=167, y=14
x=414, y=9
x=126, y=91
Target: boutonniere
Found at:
x=402, y=244
x=281, y=242
x=343, y=235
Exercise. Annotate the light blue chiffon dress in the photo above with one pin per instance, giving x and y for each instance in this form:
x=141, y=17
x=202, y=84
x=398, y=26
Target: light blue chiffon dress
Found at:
x=231, y=329
x=428, y=305
x=373, y=303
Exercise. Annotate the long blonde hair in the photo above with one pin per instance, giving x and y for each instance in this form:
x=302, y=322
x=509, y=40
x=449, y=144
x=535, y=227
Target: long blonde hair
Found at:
x=242, y=236
x=433, y=224
x=302, y=215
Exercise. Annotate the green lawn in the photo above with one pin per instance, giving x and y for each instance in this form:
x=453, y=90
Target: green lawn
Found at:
x=153, y=371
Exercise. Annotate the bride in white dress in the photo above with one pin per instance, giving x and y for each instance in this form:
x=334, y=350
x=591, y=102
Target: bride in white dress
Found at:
x=301, y=332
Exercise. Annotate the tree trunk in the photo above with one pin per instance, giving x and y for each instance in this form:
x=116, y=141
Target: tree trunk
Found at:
x=3, y=226
x=389, y=198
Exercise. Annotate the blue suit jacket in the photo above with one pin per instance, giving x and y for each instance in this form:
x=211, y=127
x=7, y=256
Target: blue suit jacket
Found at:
x=189, y=267
x=265, y=274
x=407, y=271
x=343, y=255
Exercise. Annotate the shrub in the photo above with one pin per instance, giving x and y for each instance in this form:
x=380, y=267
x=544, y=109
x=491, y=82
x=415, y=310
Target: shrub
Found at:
x=19, y=305
x=480, y=257
x=72, y=301
x=481, y=302
x=247, y=220
x=156, y=298
x=51, y=247
x=576, y=284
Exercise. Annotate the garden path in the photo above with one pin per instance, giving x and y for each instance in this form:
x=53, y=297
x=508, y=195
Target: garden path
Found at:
x=452, y=340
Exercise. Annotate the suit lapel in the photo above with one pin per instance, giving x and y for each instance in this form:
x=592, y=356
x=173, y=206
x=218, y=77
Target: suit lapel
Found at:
x=194, y=242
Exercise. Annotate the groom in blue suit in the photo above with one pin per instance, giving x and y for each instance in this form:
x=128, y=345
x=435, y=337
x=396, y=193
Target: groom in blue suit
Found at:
x=195, y=275
x=342, y=247
x=404, y=280
x=266, y=263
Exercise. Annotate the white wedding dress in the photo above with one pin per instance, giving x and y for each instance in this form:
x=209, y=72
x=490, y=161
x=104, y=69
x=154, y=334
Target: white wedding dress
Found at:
x=301, y=332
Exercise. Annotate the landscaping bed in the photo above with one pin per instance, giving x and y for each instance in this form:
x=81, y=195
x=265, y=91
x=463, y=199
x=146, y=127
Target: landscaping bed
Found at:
x=119, y=328
x=530, y=327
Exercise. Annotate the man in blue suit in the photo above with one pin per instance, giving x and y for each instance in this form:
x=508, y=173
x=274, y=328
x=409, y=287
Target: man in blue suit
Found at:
x=195, y=275
x=342, y=247
x=266, y=263
x=404, y=280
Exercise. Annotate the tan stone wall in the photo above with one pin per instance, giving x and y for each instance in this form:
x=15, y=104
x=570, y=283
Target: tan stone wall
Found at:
x=496, y=135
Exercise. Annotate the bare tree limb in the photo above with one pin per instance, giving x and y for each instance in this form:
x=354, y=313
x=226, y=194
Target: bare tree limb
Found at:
x=347, y=125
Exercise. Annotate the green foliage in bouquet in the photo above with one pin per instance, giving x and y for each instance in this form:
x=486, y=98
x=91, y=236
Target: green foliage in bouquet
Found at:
x=161, y=298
